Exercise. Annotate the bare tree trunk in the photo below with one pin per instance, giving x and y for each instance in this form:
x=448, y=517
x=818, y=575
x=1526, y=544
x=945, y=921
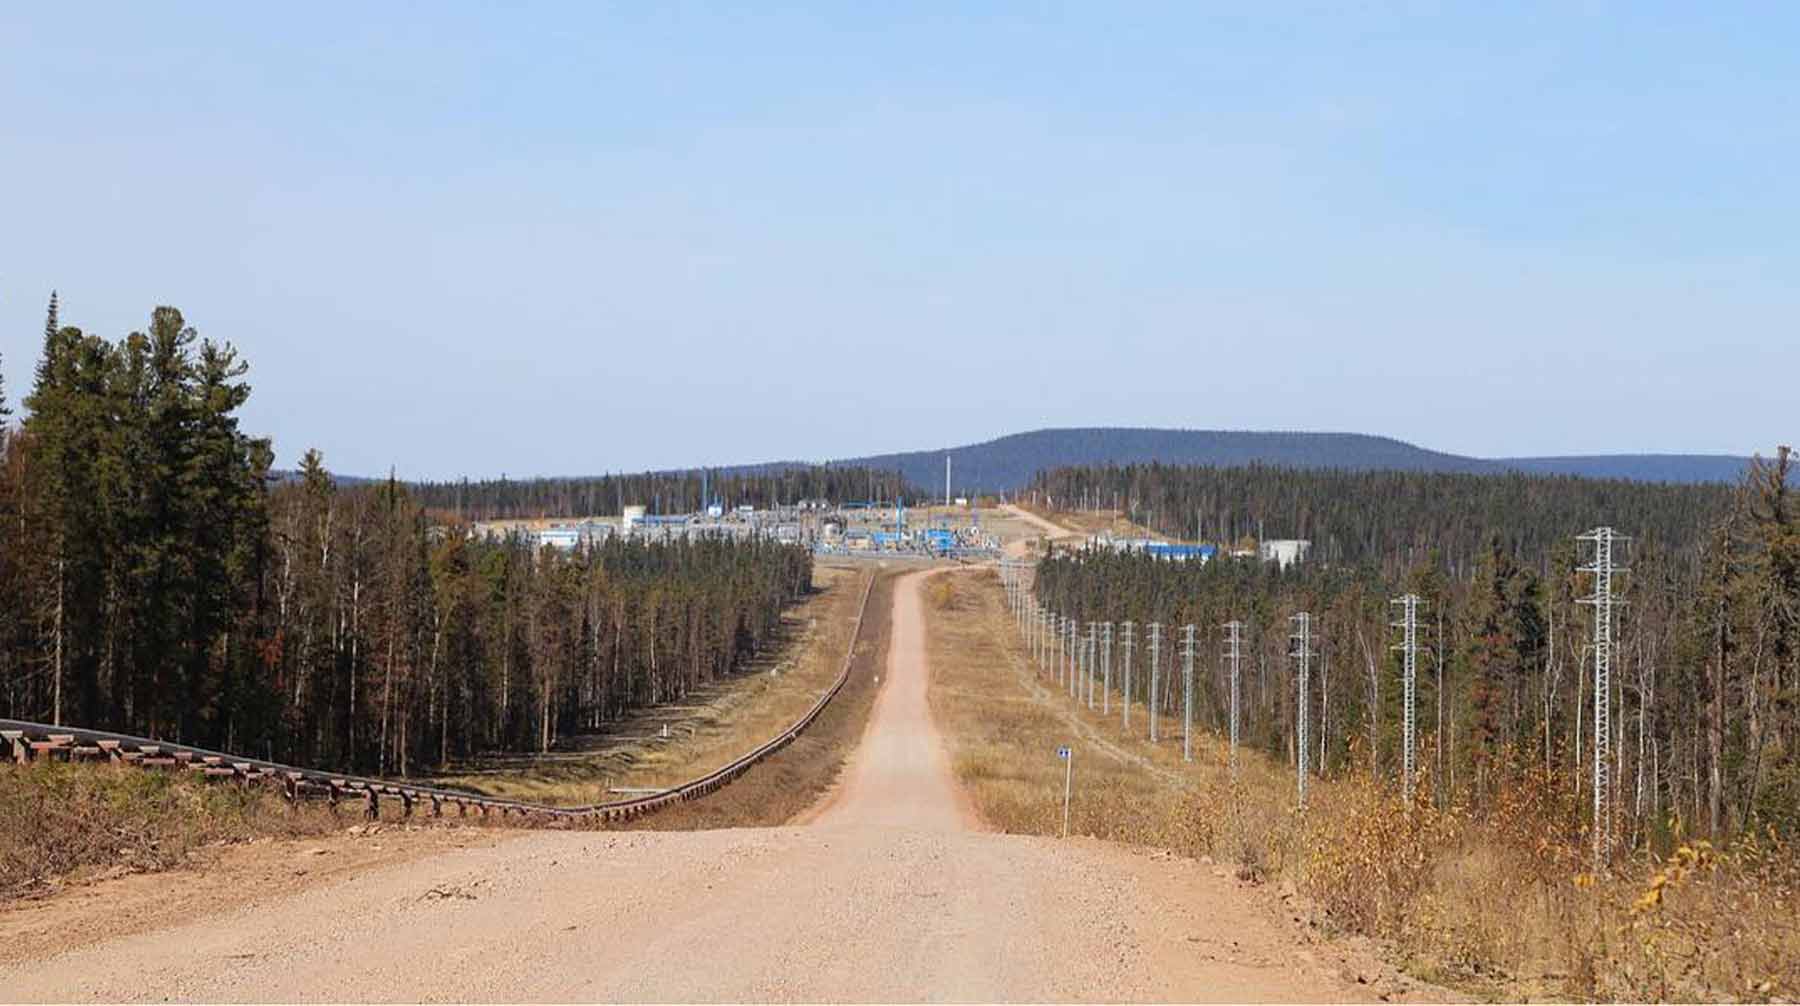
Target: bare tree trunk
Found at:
x=1715, y=731
x=387, y=698
x=1324, y=706
x=1753, y=700
x=1374, y=718
x=56, y=710
x=440, y=699
x=355, y=649
x=1552, y=678
x=1581, y=681
x=505, y=670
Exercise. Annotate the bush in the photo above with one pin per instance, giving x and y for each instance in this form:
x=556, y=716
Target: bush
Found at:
x=59, y=819
x=1503, y=900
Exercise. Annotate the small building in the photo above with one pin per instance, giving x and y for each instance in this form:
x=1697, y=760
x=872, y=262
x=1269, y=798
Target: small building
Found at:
x=1284, y=551
x=569, y=537
x=557, y=537
x=1181, y=553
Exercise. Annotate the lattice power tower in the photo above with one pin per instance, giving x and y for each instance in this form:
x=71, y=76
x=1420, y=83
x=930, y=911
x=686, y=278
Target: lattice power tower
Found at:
x=1603, y=539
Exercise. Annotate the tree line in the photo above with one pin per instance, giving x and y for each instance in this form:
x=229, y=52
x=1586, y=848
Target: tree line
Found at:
x=1395, y=519
x=660, y=492
x=1705, y=688
x=156, y=578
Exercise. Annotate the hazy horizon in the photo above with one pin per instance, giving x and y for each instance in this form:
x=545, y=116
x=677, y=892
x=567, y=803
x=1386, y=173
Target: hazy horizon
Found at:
x=571, y=240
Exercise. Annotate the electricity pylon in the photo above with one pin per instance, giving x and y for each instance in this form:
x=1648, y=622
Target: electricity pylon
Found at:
x=1602, y=601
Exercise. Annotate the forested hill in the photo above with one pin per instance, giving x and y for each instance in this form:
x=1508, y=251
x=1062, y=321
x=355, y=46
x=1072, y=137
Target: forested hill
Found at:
x=1008, y=464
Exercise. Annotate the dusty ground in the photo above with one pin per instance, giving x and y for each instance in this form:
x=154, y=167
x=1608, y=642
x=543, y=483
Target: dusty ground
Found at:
x=228, y=879
x=1047, y=528
x=886, y=894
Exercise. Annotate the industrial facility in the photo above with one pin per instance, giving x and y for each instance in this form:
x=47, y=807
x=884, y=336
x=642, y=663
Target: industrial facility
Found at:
x=854, y=528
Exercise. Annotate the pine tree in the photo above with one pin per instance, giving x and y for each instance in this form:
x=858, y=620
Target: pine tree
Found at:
x=5, y=412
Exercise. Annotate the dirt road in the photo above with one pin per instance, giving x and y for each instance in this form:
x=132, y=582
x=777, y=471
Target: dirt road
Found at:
x=1053, y=531
x=885, y=893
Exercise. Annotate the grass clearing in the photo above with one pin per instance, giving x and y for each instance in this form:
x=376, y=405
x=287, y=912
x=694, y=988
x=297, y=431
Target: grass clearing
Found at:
x=1003, y=725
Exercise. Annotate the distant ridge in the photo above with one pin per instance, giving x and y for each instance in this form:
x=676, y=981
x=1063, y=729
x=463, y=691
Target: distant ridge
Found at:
x=1009, y=462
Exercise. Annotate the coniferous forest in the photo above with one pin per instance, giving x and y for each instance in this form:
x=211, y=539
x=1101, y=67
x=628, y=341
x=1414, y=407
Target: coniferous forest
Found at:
x=1705, y=703
x=156, y=579
x=661, y=492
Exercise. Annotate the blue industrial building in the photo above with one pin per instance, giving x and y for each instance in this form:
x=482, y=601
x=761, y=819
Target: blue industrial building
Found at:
x=1167, y=550
x=939, y=539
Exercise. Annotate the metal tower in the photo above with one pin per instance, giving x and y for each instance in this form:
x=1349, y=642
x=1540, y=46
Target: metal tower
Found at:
x=1037, y=636
x=1603, y=539
x=1089, y=679
x=1037, y=632
x=1233, y=630
x=1105, y=668
x=1187, y=695
x=1155, y=675
x=1302, y=639
x=1125, y=706
x=1071, y=627
x=1409, y=649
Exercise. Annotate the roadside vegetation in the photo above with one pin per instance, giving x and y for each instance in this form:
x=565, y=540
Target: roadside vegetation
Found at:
x=1499, y=899
x=64, y=822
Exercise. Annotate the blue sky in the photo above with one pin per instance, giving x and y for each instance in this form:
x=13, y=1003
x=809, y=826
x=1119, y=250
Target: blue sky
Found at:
x=578, y=238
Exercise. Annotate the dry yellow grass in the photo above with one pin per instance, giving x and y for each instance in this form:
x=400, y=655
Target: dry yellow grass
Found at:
x=61, y=821
x=1483, y=904
x=669, y=745
x=1003, y=726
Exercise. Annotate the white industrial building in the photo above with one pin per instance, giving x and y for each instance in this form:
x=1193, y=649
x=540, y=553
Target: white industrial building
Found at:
x=1285, y=551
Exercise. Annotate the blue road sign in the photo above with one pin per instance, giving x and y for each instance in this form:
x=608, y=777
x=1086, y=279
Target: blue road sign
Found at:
x=1062, y=752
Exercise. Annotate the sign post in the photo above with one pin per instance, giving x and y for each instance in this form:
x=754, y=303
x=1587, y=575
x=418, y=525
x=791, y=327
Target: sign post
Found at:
x=1068, y=757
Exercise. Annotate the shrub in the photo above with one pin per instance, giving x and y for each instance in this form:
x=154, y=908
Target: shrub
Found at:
x=58, y=819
